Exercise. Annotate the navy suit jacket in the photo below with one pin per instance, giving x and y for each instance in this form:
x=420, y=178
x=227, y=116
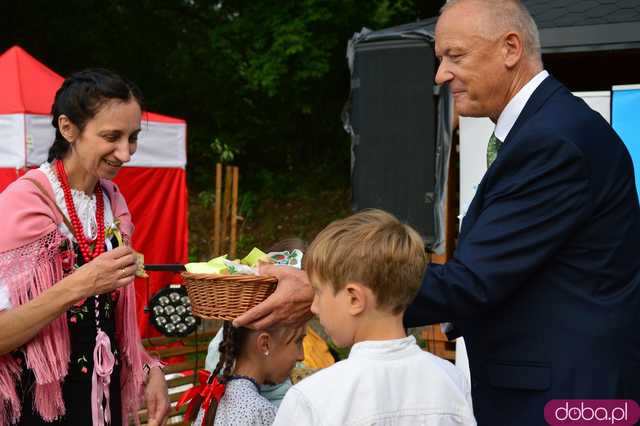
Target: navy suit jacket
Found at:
x=544, y=284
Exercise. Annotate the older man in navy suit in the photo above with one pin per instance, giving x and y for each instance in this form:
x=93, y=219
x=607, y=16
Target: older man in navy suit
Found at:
x=545, y=281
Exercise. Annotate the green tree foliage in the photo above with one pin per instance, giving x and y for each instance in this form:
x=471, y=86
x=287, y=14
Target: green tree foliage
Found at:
x=267, y=77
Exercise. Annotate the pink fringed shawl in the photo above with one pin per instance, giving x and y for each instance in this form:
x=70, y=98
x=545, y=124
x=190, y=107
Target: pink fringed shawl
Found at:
x=30, y=263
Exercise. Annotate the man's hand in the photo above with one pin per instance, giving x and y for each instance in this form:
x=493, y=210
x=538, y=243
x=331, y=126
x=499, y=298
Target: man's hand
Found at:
x=289, y=304
x=157, y=398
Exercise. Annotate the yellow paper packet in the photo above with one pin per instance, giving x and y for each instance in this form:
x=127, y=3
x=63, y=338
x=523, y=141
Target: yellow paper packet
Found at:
x=214, y=266
x=253, y=257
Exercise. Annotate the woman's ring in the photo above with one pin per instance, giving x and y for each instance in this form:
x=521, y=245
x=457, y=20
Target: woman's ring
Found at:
x=124, y=273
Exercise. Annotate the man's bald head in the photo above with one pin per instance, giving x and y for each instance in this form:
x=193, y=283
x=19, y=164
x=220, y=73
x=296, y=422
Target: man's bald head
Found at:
x=500, y=16
x=488, y=50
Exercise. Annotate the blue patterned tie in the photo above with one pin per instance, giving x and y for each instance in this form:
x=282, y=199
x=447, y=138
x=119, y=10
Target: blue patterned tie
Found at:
x=492, y=149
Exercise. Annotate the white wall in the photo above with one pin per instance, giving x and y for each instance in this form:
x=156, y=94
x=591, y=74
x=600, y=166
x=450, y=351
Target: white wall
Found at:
x=12, y=141
x=159, y=144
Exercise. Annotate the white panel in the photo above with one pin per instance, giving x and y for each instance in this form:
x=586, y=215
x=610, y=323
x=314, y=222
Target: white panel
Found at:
x=161, y=145
x=40, y=135
x=598, y=101
x=12, y=140
x=474, y=136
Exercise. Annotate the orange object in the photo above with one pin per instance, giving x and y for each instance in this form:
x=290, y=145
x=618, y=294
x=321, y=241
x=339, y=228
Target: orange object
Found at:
x=316, y=351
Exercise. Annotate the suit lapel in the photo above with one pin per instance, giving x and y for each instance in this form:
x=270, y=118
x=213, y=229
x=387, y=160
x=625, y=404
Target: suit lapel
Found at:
x=542, y=93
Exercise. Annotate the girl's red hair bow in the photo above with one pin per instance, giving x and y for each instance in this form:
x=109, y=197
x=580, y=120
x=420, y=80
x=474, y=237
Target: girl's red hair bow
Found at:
x=201, y=395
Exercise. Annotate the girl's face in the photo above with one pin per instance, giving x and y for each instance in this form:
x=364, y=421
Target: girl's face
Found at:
x=286, y=350
x=107, y=142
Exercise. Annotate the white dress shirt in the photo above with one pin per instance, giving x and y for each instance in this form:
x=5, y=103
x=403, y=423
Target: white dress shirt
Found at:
x=389, y=382
x=512, y=111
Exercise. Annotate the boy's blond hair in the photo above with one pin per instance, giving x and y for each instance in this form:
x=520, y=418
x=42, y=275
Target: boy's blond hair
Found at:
x=373, y=248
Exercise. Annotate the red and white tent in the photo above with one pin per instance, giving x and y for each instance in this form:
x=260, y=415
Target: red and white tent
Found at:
x=153, y=183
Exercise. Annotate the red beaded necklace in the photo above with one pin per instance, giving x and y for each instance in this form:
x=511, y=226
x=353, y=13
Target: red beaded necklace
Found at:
x=83, y=243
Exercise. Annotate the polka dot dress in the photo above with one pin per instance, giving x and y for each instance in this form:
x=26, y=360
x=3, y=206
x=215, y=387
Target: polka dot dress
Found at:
x=242, y=405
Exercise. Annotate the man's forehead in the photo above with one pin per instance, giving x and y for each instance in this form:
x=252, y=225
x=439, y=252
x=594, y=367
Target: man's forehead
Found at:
x=447, y=42
x=463, y=19
x=458, y=34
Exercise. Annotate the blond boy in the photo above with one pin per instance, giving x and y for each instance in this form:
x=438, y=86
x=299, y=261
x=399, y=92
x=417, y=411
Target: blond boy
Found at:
x=365, y=271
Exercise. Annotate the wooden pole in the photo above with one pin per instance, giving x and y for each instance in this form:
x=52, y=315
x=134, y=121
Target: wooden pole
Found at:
x=226, y=208
x=216, y=211
x=234, y=213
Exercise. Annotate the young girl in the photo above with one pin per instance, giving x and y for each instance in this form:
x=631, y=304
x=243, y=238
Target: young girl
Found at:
x=275, y=392
x=249, y=359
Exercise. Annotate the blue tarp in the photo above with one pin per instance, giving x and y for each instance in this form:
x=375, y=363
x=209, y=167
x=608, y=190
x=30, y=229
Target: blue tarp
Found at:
x=625, y=119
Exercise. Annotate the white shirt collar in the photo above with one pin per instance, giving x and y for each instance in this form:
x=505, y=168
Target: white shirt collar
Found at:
x=515, y=106
x=384, y=349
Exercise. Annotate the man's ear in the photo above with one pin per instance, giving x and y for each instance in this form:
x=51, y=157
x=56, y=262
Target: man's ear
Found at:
x=264, y=343
x=513, y=49
x=68, y=130
x=356, y=295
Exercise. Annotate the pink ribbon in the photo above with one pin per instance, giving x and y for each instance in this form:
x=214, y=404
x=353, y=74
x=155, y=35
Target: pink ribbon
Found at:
x=103, y=362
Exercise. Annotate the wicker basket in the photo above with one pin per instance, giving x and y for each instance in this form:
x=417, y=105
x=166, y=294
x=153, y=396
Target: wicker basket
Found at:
x=226, y=297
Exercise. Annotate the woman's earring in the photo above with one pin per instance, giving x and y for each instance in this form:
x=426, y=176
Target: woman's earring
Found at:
x=266, y=353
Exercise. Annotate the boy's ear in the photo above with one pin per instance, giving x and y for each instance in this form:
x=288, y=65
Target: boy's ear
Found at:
x=264, y=343
x=356, y=298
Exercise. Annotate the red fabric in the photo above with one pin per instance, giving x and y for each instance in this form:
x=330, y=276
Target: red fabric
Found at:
x=27, y=86
x=206, y=391
x=9, y=175
x=157, y=199
x=152, y=116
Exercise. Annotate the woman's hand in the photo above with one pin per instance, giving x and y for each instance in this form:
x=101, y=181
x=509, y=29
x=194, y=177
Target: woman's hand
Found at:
x=157, y=398
x=289, y=304
x=103, y=274
x=107, y=272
